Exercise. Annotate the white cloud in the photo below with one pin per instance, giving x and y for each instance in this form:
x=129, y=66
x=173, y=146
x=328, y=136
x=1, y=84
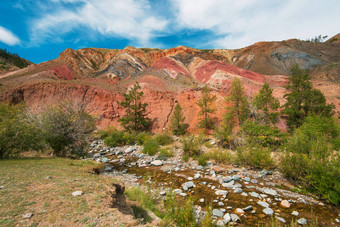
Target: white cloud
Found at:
x=7, y=37
x=130, y=19
x=242, y=23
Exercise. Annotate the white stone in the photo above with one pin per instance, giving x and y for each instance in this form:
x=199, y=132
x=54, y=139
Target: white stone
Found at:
x=295, y=213
x=268, y=211
x=262, y=203
x=226, y=218
x=156, y=163
x=302, y=221
x=221, y=192
x=281, y=219
x=77, y=193
x=270, y=191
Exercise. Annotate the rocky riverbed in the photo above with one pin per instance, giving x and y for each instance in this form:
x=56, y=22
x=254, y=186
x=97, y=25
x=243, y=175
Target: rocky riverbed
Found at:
x=243, y=196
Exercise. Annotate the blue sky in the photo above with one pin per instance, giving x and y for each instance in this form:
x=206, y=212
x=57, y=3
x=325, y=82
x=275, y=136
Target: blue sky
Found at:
x=39, y=30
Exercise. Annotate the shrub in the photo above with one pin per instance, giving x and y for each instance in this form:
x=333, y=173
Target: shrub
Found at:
x=310, y=158
x=165, y=153
x=17, y=132
x=220, y=156
x=264, y=135
x=255, y=156
x=66, y=128
x=143, y=137
x=190, y=146
x=119, y=138
x=151, y=147
x=102, y=134
x=163, y=139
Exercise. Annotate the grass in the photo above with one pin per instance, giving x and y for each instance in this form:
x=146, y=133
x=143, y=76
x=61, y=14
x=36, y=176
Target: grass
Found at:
x=26, y=189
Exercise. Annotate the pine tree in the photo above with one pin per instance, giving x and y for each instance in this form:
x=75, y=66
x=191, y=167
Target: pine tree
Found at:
x=135, y=118
x=206, y=105
x=238, y=110
x=303, y=100
x=267, y=104
x=177, y=121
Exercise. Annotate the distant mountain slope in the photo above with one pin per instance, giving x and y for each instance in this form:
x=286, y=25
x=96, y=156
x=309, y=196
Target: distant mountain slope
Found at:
x=99, y=77
x=11, y=61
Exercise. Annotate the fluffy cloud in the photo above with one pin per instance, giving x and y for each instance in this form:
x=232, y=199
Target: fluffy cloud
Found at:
x=8, y=37
x=244, y=22
x=129, y=19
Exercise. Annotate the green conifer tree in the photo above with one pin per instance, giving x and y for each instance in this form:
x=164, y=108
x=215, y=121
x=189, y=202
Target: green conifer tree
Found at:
x=135, y=118
x=177, y=121
x=267, y=105
x=206, y=105
x=303, y=100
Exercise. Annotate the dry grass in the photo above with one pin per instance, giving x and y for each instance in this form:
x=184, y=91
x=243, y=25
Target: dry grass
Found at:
x=26, y=190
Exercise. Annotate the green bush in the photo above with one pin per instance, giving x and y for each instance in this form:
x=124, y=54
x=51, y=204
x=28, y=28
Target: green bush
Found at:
x=163, y=139
x=102, y=134
x=143, y=137
x=220, y=156
x=310, y=157
x=261, y=134
x=17, y=132
x=165, y=153
x=66, y=128
x=190, y=146
x=255, y=156
x=151, y=147
x=119, y=138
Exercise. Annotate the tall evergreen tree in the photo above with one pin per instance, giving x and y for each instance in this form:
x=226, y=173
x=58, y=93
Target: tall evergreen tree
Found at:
x=135, y=118
x=238, y=110
x=267, y=104
x=303, y=100
x=206, y=105
x=177, y=121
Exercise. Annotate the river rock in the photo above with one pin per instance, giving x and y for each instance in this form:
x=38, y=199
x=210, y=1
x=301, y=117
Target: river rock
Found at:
x=302, y=221
x=217, y=213
x=262, y=203
x=187, y=185
x=183, y=194
x=227, y=179
x=254, y=181
x=236, y=178
x=27, y=215
x=239, y=211
x=238, y=190
x=220, y=204
x=285, y=204
x=234, y=218
x=268, y=211
x=77, y=193
x=197, y=175
x=281, y=219
x=108, y=168
x=129, y=150
x=248, y=208
x=221, y=192
x=270, y=191
x=295, y=213
x=105, y=160
x=96, y=155
x=247, y=179
x=200, y=167
x=254, y=194
x=177, y=191
x=156, y=163
x=202, y=200
x=226, y=218
x=162, y=193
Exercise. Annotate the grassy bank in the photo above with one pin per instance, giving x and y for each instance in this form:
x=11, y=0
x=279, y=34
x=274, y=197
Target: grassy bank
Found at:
x=44, y=186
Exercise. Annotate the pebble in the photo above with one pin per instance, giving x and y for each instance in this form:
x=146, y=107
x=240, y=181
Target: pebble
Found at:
x=238, y=190
x=244, y=194
x=254, y=194
x=162, y=193
x=281, y=219
x=254, y=181
x=183, y=194
x=221, y=192
x=77, y=193
x=270, y=191
x=105, y=160
x=200, y=167
x=234, y=218
x=337, y=220
x=295, y=213
x=236, y=178
x=239, y=211
x=229, y=207
x=226, y=218
x=285, y=204
x=302, y=221
x=227, y=179
x=220, y=204
x=268, y=211
x=220, y=223
x=48, y=177
x=190, y=178
x=27, y=215
x=177, y=191
x=156, y=163
x=247, y=179
x=248, y=208
x=217, y=213
x=202, y=200
x=262, y=203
